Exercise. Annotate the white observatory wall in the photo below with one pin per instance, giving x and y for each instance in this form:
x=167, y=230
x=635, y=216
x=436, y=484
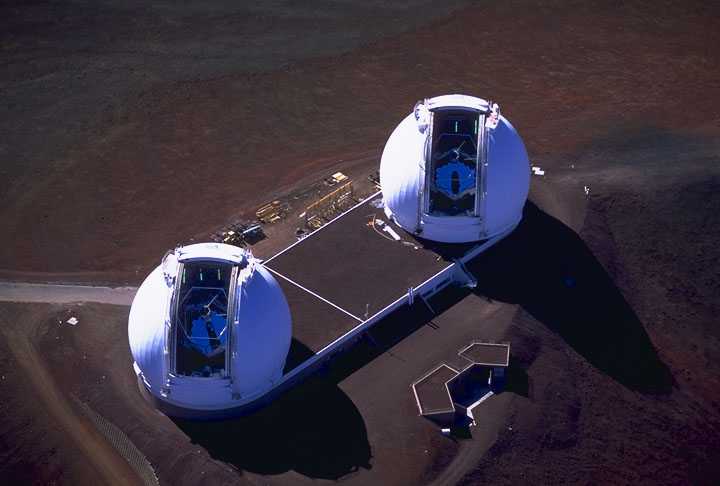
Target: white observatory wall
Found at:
x=263, y=336
x=146, y=327
x=508, y=179
x=402, y=172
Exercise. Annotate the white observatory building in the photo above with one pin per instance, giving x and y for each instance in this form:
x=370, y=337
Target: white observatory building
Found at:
x=209, y=331
x=455, y=171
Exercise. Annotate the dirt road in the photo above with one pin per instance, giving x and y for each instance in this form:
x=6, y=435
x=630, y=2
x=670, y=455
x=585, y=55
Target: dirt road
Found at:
x=65, y=294
x=17, y=331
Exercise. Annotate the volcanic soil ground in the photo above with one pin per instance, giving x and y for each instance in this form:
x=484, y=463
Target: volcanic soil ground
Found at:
x=130, y=127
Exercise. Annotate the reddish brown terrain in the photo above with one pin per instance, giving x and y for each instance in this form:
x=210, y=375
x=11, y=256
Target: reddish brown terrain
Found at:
x=130, y=127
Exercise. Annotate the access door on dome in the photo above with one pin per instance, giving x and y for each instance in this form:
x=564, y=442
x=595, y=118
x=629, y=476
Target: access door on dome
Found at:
x=200, y=324
x=453, y=163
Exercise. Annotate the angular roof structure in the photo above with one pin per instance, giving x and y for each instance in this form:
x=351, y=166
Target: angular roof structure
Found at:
x=450, y=391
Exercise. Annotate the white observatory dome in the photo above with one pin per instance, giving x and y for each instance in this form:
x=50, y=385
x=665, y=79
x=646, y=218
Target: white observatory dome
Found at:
x=209, y=329
x=455, y=171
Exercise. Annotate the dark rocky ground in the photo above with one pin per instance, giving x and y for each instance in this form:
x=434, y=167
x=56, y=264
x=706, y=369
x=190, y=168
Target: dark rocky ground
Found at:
x=131, y=127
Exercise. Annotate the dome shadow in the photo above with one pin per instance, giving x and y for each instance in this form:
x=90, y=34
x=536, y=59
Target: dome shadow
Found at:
x=546, y=268
x=314, y=429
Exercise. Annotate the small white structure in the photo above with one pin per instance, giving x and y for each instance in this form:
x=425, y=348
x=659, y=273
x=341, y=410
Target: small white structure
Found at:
x=455, y=171
x=209, y=331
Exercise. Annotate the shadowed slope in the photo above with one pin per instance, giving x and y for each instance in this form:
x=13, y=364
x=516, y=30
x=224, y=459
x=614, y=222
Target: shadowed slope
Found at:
x=547, y=268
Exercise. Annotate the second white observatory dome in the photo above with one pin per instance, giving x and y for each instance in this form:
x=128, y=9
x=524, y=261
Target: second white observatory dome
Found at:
x=455, y=171
x=209, y=331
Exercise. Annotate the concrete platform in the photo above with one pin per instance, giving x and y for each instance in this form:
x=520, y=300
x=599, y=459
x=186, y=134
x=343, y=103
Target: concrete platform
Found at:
x=349, y=272
x=347, y=277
